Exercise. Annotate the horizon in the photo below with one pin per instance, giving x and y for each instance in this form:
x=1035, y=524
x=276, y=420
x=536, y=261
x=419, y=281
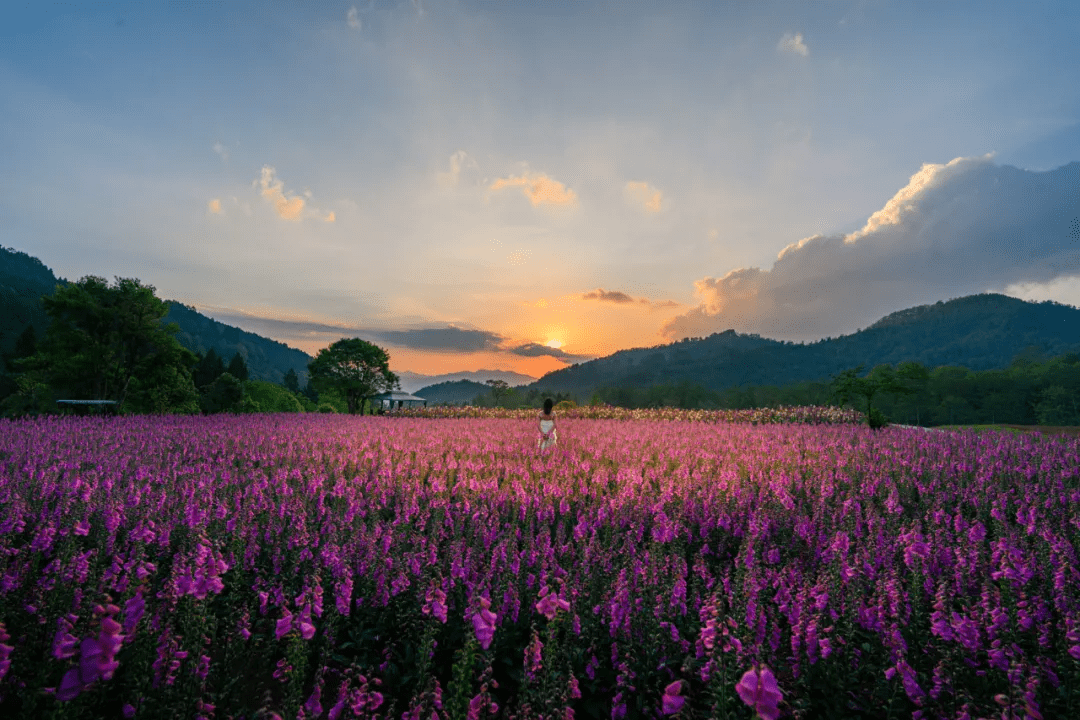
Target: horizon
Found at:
x=475, y=185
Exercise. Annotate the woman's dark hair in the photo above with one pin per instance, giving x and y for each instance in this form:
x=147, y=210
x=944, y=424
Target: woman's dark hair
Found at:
x=547, y=406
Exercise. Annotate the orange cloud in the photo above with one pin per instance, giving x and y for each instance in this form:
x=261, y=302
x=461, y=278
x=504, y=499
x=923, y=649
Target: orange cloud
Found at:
x=215, y=206
x=645, y=195
x=330, y=217
x=539, y=188
x=288, y=208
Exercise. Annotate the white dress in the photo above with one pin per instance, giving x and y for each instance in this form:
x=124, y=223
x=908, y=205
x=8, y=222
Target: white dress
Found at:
x=549, y=436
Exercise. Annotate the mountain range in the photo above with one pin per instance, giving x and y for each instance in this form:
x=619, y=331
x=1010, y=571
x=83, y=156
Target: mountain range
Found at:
x=978, y=332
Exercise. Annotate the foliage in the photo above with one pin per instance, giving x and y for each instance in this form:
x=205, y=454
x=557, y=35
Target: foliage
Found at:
x=291, y=381
x=354, y=368
x=225, y=394
x=238, y=367
x=160, y=567
x=272, y=398
x=882, y=380
x=208, y=369
x=105, y=337
x=499, y=389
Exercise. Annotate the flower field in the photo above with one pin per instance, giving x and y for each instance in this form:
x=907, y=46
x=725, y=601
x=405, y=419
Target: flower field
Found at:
x=321, y=566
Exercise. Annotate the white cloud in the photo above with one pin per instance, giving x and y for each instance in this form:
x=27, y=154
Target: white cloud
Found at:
x=353, y=18
x=539, y=188
x=959, y=228
x=458, y=161
x=644, y=195
x=220, y=150
x=793, y=44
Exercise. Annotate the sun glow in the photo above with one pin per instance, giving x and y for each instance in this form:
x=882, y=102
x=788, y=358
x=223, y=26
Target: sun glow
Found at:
x=554, y=344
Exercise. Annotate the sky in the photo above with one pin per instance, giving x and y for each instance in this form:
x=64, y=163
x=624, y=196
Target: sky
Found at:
x=520, y=185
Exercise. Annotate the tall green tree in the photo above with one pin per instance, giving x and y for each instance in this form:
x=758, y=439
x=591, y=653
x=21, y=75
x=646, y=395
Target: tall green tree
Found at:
x=238, y=367
x=292, y=382
x=353, y=367
x=882, y=380
x=208, y=369
x=107, y=342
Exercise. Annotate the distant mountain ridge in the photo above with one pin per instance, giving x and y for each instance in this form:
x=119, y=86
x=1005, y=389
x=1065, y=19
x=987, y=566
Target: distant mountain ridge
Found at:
x=411, y=382
x=454, y=392
x=979, y=332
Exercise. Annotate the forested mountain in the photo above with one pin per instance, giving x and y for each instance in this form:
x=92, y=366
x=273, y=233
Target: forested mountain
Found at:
x=459, y=392
x=978, y=332
x=266, y=359
x=24, y=279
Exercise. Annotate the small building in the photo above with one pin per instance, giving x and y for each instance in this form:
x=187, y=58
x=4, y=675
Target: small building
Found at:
x=395, y=399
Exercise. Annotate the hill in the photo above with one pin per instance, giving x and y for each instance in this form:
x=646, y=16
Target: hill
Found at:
x=978, y=332
x=411, y=382
x=454, y=392
x=25, y=279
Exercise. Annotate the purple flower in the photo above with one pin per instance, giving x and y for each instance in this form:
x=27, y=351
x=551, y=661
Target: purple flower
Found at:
x=550, y=603
x=759, y=690
x=672, y=701
x=284, y=625
x=435, y=604
x=484, y=623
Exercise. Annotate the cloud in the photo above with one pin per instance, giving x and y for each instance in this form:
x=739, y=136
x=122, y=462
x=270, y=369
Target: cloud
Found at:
x=220, y=150
x=442, y=339
x=613, y=296
x=214, y=206
x=459, y=161
x=959, y=228
x=289, y=208
x=539, y=350
x=641, y=193
x=620, y=298
x=352, y=17
x=539, y=188
x=793, y=44
x=330, y=217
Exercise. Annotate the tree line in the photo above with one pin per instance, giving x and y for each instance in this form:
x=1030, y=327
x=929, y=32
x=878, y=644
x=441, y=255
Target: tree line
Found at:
x=1030, y=391
x=107, y=342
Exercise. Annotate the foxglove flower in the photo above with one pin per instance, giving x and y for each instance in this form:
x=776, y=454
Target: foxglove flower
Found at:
x=550, y=603
x=673, y=701
x=759, y=690
x=484, y=623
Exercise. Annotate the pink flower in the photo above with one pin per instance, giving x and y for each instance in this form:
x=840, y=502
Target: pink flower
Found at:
x=284, y=625
x=484, y=623
x=550, y=603
x=435, y=605
x=759, y=690
x=673, y=702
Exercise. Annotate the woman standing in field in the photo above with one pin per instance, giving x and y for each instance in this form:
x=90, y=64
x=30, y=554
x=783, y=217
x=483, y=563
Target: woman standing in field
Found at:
x=548, y=434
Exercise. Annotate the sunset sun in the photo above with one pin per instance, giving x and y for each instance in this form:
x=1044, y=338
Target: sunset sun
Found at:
x=554, y=344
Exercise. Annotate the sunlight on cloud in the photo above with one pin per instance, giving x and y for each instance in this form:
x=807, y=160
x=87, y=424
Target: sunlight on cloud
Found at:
x=641, y=193
x=539, y=188
x=215, y=206
x=902, y=202
x=793, y=44
x=287, y=207
x=330, y=217
x=955, y=229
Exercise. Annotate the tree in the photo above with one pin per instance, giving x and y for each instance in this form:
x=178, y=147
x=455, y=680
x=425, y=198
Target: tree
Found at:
x=238, y=368
x=107, y=342
x=355, y=368
x=208, y=369
x=881, y=380
x=499, y=389
x=292, y=383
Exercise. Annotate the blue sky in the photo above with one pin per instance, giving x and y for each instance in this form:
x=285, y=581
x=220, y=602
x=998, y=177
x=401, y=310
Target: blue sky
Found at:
x=516, y=185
